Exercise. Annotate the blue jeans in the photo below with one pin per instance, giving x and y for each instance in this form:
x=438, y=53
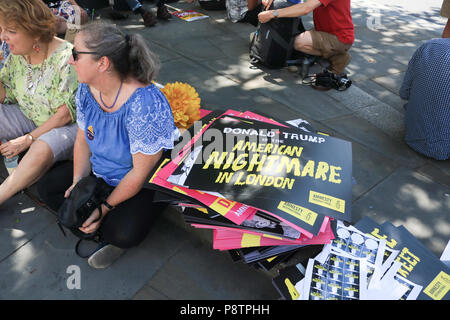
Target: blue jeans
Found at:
x=134, y=4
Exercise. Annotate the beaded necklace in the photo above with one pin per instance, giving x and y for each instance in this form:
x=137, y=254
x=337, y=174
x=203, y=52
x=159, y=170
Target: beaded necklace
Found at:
x=30, y=85
x=115, y=100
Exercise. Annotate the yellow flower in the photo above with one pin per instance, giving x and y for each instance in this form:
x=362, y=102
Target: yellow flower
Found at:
x=184, y=102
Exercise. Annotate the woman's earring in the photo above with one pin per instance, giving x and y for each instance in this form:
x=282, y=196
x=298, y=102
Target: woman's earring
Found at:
x=36, y=47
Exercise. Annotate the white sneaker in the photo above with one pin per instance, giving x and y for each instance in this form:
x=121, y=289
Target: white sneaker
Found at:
x=105, y=256
x=293, y=69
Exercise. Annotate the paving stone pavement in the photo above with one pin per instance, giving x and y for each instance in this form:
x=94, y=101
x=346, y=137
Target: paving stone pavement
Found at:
x=176, y=261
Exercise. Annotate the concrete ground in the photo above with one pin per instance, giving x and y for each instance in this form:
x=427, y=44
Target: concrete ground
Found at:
x=176, y=261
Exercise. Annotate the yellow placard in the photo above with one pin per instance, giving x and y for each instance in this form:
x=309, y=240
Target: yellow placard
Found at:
x=159, y=168
x=272, y=237
x=222, y=205
x=438, y=288
x=327, y=201
x=299, y=212
x=294, y=293
x=250, y=240
x=176, y=189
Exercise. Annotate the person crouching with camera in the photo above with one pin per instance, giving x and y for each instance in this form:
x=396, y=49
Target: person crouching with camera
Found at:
x=333, y=32
x=125, y=122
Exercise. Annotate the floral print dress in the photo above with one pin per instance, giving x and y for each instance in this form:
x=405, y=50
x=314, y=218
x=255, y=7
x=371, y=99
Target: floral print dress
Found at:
x=41, y=90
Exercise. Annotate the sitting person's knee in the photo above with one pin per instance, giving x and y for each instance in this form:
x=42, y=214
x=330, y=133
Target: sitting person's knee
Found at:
x=303, y=42
x=123, y=237
x=40, y=150
x=300, y=42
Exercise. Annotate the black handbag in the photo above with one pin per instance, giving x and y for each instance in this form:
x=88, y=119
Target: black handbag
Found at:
x=87, y=195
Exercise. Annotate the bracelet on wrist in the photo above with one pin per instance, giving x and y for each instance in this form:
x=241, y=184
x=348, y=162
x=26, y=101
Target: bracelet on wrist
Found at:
x=30, y=137
x=106, y=204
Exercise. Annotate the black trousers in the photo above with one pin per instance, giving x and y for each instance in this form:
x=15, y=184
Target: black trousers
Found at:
x=125, y=226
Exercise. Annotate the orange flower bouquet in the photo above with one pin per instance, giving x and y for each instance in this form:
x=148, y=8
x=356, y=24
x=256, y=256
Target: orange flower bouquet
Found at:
x=185, y=103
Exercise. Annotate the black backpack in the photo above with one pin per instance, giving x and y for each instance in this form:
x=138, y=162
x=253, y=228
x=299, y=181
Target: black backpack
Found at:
x=273, y=42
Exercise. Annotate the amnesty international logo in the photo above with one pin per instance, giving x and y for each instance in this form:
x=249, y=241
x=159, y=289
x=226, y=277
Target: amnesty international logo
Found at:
x=299, y=212
x=327, y=201
x=90, y=133
x=438, y=288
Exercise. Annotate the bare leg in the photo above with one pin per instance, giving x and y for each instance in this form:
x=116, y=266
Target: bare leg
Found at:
x=338, y=59
x=446, y=32
x=33, y=165
x=303, y=43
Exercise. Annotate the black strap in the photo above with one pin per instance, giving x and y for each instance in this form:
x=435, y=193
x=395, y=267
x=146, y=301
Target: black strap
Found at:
x=280, y=40
x=89, y=239
x=252, y=41
x=101, y=214
x=309, y=80
x=61, y=228
x=106, y=204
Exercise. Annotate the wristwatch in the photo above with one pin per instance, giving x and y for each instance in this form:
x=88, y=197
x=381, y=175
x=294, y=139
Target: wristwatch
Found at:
x=275, y=13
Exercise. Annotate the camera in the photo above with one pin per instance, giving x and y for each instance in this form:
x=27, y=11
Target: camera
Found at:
x=343, y=82
x=329, y=79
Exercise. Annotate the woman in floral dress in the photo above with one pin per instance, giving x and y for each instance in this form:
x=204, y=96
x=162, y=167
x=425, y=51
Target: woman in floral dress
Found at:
x=37, y=90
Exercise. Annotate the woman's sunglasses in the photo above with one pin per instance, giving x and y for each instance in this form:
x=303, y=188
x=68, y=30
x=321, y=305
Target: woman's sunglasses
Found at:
x=75, y=53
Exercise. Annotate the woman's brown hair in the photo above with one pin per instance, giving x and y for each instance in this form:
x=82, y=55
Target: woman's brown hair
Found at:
x=33, y=16
x=130, y=54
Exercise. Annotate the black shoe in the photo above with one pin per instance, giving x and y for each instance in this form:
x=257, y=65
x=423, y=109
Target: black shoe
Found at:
x=162, y=13
x=149, y=19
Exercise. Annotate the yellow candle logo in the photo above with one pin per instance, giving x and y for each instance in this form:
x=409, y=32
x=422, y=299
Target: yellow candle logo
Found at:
x=90, y=133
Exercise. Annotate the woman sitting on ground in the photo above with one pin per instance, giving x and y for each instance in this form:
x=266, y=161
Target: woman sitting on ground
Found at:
x=37, y=93
x=125, y=123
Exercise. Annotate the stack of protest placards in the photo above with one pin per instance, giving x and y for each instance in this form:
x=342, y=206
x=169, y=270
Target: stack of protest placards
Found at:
x=269, y=189
x=257, y=182
x=189, y=15
x=368, y=261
